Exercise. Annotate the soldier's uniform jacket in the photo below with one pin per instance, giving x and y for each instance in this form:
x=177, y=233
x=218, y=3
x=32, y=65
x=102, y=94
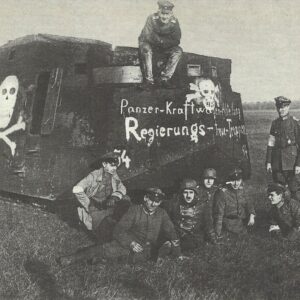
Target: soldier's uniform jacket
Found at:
x=287, y=217
x=161, y=35
x=194, y=217
x=94, y=183
x=140, y=226
x=285, y=137
x=231, y=207
x=92, y=192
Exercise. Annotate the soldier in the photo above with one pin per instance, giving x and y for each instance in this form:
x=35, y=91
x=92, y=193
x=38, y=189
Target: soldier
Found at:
x=102, y=194
x=284, y=214
x=191, y=214
x=283, y=159
x=136, y=234
x=162, y=34
x=207, y=190
x=232, y=208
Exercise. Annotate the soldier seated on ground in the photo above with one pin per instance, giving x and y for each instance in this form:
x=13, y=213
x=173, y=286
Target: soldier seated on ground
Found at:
x=192, y=215
x=284, y=214
x=103, y=198
x=161, y=34
x=136, y=235
x=232, y=208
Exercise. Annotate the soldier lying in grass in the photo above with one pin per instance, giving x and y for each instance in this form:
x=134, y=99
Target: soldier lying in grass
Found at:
x=136, y=235
x=284, y=214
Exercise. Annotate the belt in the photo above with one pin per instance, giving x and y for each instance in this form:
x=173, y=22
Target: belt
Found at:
x=232, y=217
x=288, y=145
x=96, y=204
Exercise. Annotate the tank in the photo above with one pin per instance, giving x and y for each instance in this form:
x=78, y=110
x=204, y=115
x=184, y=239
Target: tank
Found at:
x=67, y=101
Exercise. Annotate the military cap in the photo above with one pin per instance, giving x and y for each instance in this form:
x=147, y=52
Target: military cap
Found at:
x=210, y=173
x=155, y=194
x=189, y=184
x=111, y=157
x=165, y=5
x=276, y=187
x=235, y=174
x=281, y=101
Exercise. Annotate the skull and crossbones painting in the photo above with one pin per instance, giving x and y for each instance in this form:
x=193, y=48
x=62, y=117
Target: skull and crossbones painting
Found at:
x=8, y=96
x=206, y=93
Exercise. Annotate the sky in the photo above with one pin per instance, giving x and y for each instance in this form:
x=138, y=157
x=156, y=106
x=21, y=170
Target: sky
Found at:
x=261, y=37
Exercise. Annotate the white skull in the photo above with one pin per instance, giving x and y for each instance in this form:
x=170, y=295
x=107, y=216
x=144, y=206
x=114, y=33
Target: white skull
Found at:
x=207, y=91
x=8, y=95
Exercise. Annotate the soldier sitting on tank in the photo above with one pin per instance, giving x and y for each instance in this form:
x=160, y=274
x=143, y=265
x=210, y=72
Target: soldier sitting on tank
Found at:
x=232, y=208
x=160, y=34
x=136, y=235
x=191, y=212
x=284, y=214
x=103, y=198
x=283, y=159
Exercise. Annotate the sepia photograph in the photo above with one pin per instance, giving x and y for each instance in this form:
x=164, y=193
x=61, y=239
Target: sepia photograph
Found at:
x=150, y=149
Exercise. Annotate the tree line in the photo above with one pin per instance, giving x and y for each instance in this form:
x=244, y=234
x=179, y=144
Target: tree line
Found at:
x=265, y=105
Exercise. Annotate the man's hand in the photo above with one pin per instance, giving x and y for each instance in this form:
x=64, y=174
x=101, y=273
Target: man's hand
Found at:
x=251, y=220
x=111, y=201
x=182, y=257
x=136, y=247
x=297, y=170
x=159, y=261
x=269, y=168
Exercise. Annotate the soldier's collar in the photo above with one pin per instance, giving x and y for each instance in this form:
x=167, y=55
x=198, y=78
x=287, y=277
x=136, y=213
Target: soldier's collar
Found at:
x=147, y=212
x=155, y=16
x=280, y=204
x=286, y=117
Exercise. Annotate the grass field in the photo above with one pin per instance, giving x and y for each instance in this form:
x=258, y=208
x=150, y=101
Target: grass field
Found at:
x=251, y=267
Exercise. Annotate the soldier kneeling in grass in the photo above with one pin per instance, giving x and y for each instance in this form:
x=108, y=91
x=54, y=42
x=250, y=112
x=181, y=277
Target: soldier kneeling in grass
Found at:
x=284, y=214
x=233, y=209
x=136, y=235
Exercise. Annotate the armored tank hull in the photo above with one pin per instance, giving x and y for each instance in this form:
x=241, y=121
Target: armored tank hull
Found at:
x=67, y=101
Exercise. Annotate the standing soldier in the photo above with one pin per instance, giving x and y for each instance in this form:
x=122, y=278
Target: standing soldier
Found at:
x=162, y=34
x=283, y=159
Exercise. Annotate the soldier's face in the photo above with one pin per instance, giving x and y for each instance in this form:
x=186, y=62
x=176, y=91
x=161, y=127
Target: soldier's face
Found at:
x=110, y=168
x=283, y=110
x=188, y=195
x=275, y=198
x=150, y=205
x=208, y=182
x=165, y=16
x=236, y=183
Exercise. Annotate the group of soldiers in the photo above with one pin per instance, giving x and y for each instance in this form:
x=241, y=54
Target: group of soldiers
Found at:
x=157, y=227
x=200, y=212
